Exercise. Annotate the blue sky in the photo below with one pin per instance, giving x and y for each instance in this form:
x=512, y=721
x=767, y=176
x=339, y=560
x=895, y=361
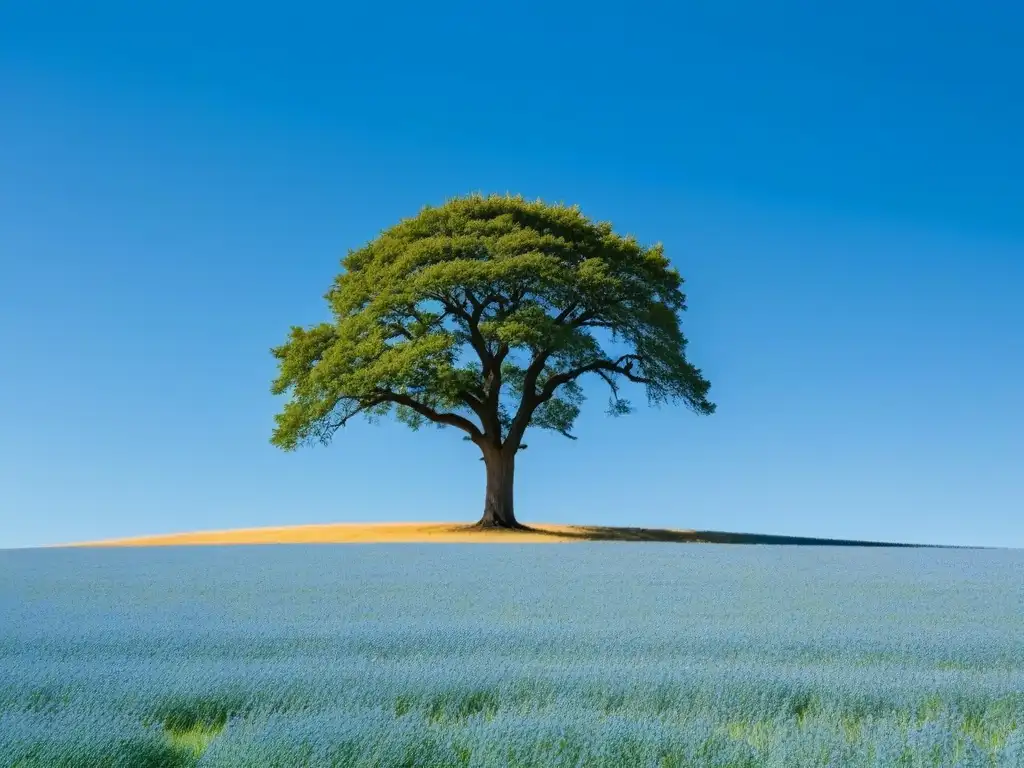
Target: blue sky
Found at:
x=842, y=187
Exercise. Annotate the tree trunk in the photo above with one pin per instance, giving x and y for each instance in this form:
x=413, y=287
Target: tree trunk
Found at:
x=498, y=508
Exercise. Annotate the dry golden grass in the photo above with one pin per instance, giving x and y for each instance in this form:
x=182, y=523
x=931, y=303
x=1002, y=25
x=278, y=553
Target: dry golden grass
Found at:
x=382, y=533
x=342, y=533
x=444, y=533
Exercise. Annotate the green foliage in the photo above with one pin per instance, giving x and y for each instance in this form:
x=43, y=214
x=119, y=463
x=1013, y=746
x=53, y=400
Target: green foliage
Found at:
x=184, y=715
x=483, y=314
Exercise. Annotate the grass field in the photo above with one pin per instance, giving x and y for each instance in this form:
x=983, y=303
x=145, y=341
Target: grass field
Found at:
x=599, y=654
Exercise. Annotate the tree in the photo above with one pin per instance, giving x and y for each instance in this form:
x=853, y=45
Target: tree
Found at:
x=483, y=314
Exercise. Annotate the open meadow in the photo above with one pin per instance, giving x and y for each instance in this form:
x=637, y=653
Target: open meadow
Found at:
x=447, y=654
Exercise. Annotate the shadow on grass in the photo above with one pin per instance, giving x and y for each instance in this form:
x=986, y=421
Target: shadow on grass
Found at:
x=616, y=533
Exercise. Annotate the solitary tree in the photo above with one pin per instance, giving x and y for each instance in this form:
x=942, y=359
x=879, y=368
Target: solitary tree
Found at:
x=483, y=314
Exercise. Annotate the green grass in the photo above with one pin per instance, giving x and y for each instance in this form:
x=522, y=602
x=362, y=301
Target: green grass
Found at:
x=194, y=740
x=190, y=725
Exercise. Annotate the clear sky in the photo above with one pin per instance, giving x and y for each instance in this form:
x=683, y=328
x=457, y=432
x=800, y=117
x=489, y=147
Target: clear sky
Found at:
x=842, y=185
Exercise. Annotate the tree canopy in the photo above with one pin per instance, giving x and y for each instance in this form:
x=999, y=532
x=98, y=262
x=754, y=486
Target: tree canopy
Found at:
x=484, y=314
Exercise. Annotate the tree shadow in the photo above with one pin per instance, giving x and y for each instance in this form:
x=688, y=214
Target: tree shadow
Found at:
x=616, y=533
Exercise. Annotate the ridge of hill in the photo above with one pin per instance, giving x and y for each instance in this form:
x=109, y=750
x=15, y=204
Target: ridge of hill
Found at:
x=460, y=533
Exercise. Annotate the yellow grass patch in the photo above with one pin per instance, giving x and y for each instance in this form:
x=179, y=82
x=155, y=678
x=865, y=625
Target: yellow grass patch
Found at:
x=383, y=533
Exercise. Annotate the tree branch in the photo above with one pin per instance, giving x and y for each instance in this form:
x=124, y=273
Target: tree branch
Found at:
x=449, y=419
x=566, y=312
x=532, y=399
x=536, y=366
x=341, y=422
x=475, y=337
x=611, y=366
x=400, y=330
x=472, y=320
x=490, y=364
x=612, y=384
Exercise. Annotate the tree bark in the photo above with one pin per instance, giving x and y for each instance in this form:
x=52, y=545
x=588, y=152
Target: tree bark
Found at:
x=499, y=511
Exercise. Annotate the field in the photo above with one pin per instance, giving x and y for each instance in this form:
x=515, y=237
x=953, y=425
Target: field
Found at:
x=444, y=654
